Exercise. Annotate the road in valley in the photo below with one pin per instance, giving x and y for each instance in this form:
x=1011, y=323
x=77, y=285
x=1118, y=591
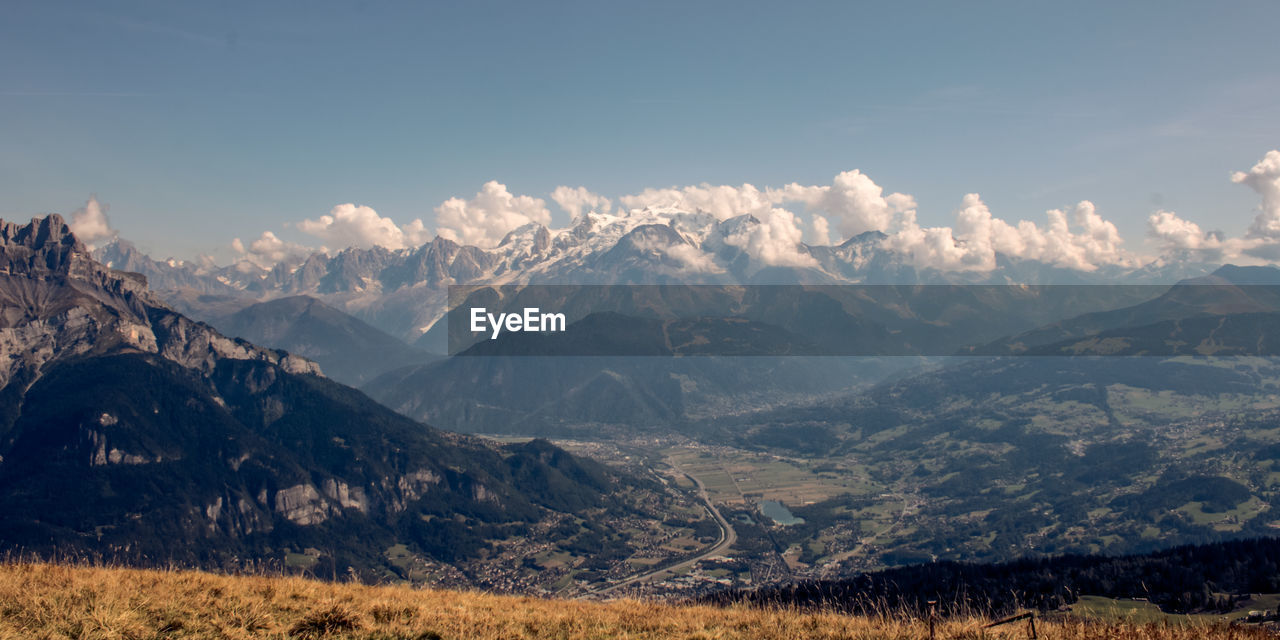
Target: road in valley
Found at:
x=727, y=537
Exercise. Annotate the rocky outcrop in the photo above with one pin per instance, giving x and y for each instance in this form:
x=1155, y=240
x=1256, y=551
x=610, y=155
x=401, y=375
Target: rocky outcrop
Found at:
x=101, y=454
x=301, y=504
x=346, y=496
x=410, y=487
x=130, y=430
x=57, y=302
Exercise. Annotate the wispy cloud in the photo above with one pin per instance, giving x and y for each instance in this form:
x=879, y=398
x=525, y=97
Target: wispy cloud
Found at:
x=158, y=28
x=37, y=93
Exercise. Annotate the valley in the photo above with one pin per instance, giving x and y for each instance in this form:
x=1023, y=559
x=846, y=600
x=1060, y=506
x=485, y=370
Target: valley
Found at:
x=640, y=320
x=959, y=484
x=623, y=476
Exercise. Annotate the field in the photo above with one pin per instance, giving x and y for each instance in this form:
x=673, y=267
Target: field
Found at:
x=741, y=479
x=1100, y=608
x=58, y=601
x=1137, y=611
x=734, y=476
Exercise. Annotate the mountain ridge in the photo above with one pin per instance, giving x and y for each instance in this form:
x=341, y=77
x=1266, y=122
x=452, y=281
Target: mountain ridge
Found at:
x=132, y=432
x=403, y=292
x=348, y=349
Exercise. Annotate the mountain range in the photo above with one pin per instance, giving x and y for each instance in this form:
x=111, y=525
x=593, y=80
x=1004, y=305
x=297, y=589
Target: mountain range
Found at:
x=129, y=431
x=404, y=292
x=402, y=295
x=1109, y=453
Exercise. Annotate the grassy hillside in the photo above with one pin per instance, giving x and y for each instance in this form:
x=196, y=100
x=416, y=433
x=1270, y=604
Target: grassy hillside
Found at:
x=59, y=601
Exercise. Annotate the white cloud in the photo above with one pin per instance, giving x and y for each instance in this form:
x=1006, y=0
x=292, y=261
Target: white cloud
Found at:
x=349, y=225
x=690, y=259
x=853, y=203
x=1260, y=244
x=979, y=236
x=1264, y=178
x=1176, y=233
x=852, y=200
x=268, y=250
x=821, y=230
x=416, y=233
x=578, y=200
x=927, y=247
x=722, y=201
x=1099, y=242
x=1076, y=238
x=90, y=224
x=774, y=241
x=488, y=217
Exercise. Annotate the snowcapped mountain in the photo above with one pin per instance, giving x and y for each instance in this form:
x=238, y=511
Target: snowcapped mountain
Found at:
x=130, y=432
x=404, y=292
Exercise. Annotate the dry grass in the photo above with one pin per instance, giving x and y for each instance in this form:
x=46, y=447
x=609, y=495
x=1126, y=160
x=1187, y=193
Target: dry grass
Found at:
x=60, y=601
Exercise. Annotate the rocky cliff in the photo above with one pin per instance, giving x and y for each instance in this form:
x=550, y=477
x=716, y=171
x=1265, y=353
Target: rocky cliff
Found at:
x=131, y=431
x=57, y=303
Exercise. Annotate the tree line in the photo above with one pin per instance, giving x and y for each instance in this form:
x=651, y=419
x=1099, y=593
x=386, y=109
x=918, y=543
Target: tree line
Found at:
x=1193, y=578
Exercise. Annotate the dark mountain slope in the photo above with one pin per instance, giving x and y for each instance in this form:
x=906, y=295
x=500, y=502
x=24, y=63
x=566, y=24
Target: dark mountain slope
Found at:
x=258, y=458
x=542, y=396
x=349, y=350
x=134, y=433
x=1229, y=290
x=1236, y=334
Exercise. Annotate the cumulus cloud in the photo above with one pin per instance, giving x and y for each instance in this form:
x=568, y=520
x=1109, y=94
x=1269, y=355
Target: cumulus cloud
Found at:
x=361, y=226
x=927, y=246
x=722, y=201
x=821, y=230
x=1177, y=235
x=1098, y=243
x=1175, y=232
x=416, y=233
x=1261, y=243
x=577, y=200
x=1264, y=178
x=1076, y=238
x=852, y=202
x=90, y=224
x=687, y=258
x=268, y=250
x=774, y=241
x=485, y=219
x=978, y=237
x=855, y=202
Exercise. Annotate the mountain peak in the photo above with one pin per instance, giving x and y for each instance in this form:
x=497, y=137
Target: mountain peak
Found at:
x=40, y=231
x=58, y=303
x=531, y=233
x=44, y=245
x=1248, y=275
x=865, y=237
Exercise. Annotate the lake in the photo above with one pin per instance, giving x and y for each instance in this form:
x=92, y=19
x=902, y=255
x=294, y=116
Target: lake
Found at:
x=779, y=513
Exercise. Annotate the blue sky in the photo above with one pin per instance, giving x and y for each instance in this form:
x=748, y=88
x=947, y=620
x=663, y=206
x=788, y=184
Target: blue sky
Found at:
x=201, y=122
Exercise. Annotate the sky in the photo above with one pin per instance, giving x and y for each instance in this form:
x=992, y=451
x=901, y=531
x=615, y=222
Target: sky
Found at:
x=194, y=124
